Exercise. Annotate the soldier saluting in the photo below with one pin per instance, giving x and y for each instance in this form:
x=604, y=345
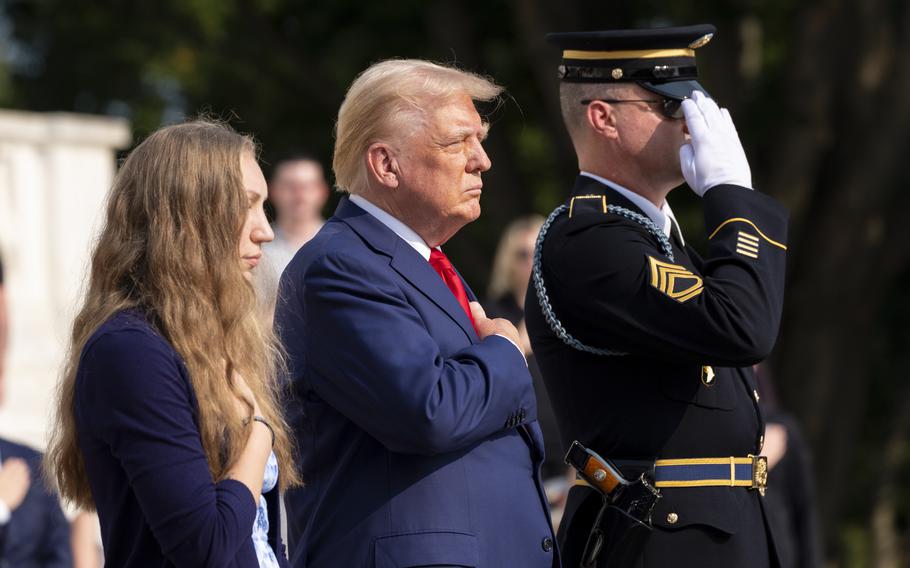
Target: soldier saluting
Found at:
x=645, y=346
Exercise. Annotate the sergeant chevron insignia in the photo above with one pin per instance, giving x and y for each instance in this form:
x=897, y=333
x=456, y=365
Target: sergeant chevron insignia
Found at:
x=674, y=280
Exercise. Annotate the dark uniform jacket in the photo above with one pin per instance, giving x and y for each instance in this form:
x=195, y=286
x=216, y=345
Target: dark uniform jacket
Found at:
x=611, y=286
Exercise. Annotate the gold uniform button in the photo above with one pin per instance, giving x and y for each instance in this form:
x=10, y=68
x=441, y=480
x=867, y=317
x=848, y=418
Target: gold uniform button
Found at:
x=672, y=518
x=707, y=375
x=755, y=394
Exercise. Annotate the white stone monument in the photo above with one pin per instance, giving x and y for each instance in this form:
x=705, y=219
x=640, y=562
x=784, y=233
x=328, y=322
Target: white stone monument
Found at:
x=55, y=171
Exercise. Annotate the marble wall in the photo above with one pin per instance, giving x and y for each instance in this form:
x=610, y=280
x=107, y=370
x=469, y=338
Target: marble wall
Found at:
x=55, y=170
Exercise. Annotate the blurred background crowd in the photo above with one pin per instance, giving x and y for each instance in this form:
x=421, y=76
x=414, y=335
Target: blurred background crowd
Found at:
x=818, y=90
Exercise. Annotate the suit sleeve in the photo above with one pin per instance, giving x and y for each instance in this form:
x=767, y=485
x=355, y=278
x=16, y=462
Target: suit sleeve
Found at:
x=622, y=292
x=370, y=355
x=134, y=398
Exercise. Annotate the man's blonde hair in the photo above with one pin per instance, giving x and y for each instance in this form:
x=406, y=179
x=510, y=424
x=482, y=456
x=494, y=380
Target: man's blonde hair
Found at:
x=387, y=100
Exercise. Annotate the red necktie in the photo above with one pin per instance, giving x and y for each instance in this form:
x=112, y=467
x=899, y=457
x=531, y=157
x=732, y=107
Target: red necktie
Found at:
x=441, y=264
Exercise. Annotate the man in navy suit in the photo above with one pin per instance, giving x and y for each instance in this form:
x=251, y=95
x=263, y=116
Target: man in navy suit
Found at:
x=415, y=414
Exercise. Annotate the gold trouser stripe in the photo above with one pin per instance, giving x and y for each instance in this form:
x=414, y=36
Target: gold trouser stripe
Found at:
x=703, y=461
x=697, y=483
x=704, y=483
x=629, y=54
x=741, y=220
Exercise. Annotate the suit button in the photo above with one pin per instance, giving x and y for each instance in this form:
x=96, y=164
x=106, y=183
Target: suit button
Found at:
x=672, y=518
x=547, y=544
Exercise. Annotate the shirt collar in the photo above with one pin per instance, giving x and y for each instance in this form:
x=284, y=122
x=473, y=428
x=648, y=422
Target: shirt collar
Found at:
x=662, y=217
x=406, y=233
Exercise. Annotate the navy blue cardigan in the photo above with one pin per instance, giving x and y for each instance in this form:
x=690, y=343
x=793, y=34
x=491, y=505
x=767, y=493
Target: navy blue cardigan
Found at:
x=137, y=416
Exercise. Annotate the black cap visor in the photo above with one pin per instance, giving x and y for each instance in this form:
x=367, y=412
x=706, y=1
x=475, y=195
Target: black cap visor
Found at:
x=679, y=90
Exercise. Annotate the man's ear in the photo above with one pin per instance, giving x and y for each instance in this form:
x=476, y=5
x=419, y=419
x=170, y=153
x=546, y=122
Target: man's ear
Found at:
x=601, y=117
x=383, y=164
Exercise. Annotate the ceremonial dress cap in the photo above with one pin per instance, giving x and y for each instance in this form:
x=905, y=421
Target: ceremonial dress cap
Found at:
x=661, y=60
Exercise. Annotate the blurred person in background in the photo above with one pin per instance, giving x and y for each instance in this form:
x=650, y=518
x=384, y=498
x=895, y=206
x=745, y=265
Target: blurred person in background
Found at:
x=506, y=299
x=511, y=272
x=790, y=500
x=33, y=531
x=167, y=419
x=298, y=191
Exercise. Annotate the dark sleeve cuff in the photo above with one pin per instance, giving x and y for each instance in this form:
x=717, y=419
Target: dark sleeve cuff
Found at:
x=235, y=497
x=731, y=205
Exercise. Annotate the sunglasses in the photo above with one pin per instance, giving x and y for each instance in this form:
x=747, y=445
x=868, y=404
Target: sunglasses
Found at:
x=670, y=108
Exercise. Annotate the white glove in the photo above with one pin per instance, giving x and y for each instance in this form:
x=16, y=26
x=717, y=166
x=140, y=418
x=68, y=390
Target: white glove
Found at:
x=715, y=155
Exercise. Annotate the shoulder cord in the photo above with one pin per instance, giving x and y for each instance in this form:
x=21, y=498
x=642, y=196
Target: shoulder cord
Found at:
x=540, y=287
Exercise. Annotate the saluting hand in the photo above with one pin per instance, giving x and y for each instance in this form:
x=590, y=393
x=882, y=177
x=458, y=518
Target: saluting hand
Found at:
x=498, y=326
x=715, y=155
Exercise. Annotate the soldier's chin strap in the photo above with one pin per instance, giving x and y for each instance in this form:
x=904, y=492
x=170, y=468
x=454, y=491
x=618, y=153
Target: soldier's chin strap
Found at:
x=540, y=287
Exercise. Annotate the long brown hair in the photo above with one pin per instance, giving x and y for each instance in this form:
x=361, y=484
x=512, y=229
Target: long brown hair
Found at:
x=169, y=248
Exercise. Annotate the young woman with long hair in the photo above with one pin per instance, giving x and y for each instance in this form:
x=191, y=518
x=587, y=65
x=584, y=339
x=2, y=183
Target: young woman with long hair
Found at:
x=167, y=420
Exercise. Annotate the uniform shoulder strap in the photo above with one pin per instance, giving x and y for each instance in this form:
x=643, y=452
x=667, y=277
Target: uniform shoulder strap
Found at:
x=576, y=205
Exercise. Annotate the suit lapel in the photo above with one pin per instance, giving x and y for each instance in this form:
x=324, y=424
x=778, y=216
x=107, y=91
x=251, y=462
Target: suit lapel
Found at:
x=405, y=261
x=413, y=268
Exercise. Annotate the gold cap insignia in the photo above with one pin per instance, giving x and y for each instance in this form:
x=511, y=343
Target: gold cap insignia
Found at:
x=702, y=41
x=617, y=73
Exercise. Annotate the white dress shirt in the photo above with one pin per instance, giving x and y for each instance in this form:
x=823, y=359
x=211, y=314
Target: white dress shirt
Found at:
x=406, y=233
x=662, y=217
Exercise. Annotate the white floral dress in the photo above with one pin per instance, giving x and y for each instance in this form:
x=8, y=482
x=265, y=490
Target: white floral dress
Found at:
x=264, y=550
